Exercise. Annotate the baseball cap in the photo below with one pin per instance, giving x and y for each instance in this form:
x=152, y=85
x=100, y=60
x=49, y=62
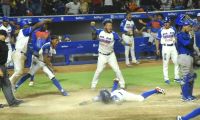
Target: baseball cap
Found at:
x=198, y=14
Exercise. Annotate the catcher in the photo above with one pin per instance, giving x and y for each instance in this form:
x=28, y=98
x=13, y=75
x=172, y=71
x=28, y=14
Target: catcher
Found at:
x=120, y=95
x=42, y=60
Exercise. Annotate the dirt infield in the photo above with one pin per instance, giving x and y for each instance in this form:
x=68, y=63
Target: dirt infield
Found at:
x=56, y=107
x=53, y=106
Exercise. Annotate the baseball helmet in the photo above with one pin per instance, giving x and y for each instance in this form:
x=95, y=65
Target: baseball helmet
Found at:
x=167, y=19
x=107, y=20
x=186, y=23
x=54, y=37
x=105, y=96
x=24, y=22
x=5, y=19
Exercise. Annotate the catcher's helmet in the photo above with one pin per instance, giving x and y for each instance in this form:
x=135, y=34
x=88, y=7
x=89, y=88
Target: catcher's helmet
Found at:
x=105, y=96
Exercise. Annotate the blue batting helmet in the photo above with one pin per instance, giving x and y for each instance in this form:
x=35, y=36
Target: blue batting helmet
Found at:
x=167, y=19
x=107, y=20
x=186, y=23
x=24, y=22
x=5, y=19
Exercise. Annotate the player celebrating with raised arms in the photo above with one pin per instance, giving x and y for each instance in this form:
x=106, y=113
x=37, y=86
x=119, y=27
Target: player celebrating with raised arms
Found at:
x=107, y=38
x=166, y=37
x=21, y=45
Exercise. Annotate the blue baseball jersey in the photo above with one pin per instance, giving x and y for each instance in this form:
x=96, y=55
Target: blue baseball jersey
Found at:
x=106, y=40
x=167, y=36
x=154, y=25
x=39, y=38
x=127, y=25
x=46, y=49
x=183, y=40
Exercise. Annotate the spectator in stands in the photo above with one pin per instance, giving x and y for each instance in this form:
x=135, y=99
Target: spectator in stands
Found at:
x=36, y=6
x=96, y=6
x=133, y=7
x=6, y=7
x=21, y=8
x=84, y=7
x=59, y=7
x=72, y=8
x=147, y=5
x=118, y=6
x=178, y=4
x=157, y=4
x=166, y=4
x=108, y=6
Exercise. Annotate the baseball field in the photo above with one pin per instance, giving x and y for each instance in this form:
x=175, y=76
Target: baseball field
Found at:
x=44, y=102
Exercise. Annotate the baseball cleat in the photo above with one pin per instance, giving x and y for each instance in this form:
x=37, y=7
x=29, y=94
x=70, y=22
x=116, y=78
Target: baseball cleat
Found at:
x=167, y=82
x=31, y=83
x=179, y=118
x=160, y=90
x=16, y=103
x=128, y=65
x=136, y=62
x=64, y=93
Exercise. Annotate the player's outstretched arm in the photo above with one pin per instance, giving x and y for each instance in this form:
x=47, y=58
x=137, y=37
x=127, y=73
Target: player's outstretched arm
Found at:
x=39, y=24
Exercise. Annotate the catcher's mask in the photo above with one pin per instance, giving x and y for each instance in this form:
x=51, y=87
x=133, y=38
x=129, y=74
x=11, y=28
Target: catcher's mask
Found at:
x=105, y=96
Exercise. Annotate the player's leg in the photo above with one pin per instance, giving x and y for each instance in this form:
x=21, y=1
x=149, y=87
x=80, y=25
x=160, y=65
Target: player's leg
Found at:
x=33, y=61
x=18, y=59
x=127, y=49
x=132, y=50
x=9, y=59
x=115, y=84
x=174, y=57
x=131, y=96
x=31, y=83
x=151, y=92
x=51, y=76
x=33, y=69
x=101, y=64
x=190, y=115
x=7, y=89
x=112, y=61
x=166, y=57
x=185, y=63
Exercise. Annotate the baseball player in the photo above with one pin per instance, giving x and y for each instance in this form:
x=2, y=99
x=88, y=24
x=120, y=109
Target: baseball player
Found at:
x=42, y=60
x=190, y=115
x=19, y=54
x=39, y=37
x=185, y=61
x=107, y=37
x=120, y=95
x=6, y=26
x=166, y=37
x=128, y=28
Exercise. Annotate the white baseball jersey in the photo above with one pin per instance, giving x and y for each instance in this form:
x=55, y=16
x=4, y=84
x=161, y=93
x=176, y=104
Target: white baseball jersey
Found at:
x=22, y=39
x=8, y=29
x=122, y=95
x=127, y=25
x=167, y=36
x=46, y=49
x=106, y=41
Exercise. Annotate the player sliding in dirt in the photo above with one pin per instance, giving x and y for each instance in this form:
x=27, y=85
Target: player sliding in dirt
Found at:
x=120, y=95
